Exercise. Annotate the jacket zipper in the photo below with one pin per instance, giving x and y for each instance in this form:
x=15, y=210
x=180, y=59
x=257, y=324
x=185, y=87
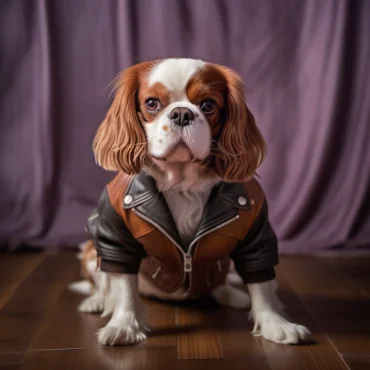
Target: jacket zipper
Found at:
x=210, y=231
x=187, y=262
x=208, y=282
x=188, y=265
x=159, y=228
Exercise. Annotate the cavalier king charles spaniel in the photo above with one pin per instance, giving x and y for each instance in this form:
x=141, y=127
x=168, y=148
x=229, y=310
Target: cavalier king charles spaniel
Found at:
x=181, y=128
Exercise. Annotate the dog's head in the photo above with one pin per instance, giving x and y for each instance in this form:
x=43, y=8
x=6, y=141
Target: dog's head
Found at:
x=180, y=110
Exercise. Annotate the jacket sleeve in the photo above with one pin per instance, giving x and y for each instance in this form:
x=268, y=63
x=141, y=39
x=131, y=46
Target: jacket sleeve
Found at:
x=118, y=250
x=256, y=255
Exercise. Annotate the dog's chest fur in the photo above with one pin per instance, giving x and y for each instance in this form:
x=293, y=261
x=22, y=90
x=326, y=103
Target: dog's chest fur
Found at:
x=187, y=209
x=186, y=192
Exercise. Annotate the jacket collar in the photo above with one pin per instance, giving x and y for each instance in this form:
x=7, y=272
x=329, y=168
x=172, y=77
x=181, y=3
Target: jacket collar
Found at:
x=223, y=204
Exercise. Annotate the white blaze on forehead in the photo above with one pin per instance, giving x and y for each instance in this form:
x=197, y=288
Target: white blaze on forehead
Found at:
x=175, y=74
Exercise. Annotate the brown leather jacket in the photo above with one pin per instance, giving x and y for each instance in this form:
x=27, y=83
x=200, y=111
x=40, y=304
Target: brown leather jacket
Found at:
x=132, y=228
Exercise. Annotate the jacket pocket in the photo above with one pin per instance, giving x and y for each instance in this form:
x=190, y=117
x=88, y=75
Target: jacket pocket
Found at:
x=216, y=272
x=151, y=267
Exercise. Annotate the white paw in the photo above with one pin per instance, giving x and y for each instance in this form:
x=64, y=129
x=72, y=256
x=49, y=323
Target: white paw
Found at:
x=226, y=295
x=125, y=331
x=114, y=336
x=93, y=304
x=272, y=326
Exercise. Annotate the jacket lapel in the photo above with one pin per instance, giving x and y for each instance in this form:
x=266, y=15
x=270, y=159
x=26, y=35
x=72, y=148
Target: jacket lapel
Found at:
x=150, y=203
x=222, y=206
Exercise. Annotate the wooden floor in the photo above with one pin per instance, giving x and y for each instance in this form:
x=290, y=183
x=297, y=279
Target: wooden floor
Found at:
x=40, y=327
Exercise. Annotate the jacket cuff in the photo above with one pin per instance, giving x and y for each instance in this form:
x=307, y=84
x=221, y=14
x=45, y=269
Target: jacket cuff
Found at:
x=257, y=276
x=118, y=267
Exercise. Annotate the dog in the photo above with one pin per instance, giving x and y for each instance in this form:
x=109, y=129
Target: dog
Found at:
x=185, y=203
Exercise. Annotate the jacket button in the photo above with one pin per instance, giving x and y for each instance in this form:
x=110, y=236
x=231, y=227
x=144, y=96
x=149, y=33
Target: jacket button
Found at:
x=242, y=201
x=128, y=199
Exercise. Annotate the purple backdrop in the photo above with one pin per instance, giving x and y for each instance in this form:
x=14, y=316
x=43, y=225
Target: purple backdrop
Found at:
x=306, y=68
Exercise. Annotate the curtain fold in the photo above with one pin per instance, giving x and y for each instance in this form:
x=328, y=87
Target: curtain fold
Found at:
x=307, y=77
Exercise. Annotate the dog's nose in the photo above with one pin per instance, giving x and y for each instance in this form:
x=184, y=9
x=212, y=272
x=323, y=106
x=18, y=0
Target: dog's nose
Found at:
x=181, y=116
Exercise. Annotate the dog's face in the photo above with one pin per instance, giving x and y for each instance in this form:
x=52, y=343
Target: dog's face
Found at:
x=180, y=110
x=180, y=104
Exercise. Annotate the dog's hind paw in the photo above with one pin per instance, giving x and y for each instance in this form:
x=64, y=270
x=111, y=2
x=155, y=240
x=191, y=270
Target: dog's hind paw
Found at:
x=93, y=304
x=227, y=295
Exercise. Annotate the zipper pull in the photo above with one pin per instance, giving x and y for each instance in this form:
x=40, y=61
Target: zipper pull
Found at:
x=187, y=263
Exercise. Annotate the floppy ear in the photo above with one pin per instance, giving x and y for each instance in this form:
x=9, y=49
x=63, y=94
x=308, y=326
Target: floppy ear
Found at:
x=241, y=147
x=120, y=143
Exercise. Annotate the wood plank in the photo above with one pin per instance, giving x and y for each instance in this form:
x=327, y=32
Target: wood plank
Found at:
x=11, y=360
x=234, y=330
x=282, y=357
x=130, y=358
x=64, y=326
x=23, y=314
x=200, y=340
x=357, y=270
x=102, y=359
x=358, y=362
x=319, y=355
x=339, y=307
x=215, y=332
x=14, y=268
x=162, y=322
x=227, y=364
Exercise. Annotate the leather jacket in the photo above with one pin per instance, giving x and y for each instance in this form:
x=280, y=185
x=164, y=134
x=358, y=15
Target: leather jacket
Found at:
x=133, y=230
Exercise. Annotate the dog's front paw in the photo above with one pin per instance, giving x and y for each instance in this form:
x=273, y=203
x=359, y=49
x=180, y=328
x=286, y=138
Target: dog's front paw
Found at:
x=272, y=326
x=93, y=304
x=115, y=336
x=125, y=331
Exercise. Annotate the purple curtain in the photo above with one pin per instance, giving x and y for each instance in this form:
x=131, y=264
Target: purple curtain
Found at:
x=306, y=69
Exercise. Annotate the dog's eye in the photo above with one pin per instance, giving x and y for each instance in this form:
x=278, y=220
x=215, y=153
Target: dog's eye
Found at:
x=208, y=106
x=153, y=105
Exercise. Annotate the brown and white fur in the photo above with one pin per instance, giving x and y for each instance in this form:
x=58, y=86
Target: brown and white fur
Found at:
x=222, y=143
